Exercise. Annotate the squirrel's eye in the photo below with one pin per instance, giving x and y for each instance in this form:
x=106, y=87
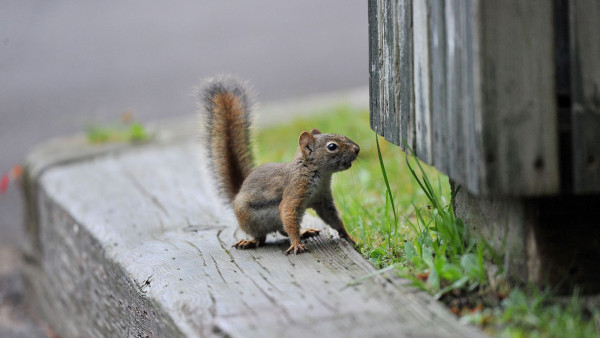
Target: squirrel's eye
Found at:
x=332, y=146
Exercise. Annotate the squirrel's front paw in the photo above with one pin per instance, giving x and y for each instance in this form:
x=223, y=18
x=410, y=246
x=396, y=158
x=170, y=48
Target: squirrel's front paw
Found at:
x=297, y=249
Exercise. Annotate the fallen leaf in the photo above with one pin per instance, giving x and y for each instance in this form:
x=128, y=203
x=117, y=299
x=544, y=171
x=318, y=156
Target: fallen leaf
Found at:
x=423, y=276
x=454, y=310
x=477, y=308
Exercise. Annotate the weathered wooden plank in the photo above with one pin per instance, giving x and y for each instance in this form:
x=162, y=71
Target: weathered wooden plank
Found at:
x=390, y=41
x=462, y=115
x=422, y=80
x=147, y=252
x=454, y=92
x=374, y=68
x=404, y=75
x=439, y=119
x=471, y=100
x=563, y=92
x=390, y=50
x=519, y=114
x=382, y=39
x=585, y=84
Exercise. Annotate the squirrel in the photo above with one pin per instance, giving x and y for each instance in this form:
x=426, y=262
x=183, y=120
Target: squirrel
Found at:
x=272, y=197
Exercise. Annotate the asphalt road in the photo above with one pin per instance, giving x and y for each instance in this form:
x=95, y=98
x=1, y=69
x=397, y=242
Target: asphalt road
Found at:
x=67, y=64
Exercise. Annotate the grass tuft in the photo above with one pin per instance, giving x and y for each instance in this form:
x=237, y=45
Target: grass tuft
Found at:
x=125, y=130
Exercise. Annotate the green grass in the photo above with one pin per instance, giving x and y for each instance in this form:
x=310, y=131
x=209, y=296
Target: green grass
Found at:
x=537, y=313
x=399, y=212
x=124, y=130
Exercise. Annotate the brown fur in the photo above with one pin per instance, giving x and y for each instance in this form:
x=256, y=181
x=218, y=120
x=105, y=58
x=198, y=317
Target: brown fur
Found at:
x=229, y=134
x=275, y=196
x=225, y=106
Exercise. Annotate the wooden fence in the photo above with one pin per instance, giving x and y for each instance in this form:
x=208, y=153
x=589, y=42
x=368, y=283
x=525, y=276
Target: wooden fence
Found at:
x=501, y=95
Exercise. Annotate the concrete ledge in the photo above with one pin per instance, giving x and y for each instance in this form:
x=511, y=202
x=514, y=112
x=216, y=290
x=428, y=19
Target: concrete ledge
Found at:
x=129, y=241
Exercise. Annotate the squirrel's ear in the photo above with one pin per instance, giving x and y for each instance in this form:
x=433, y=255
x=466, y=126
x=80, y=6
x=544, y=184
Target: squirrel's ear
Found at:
x=315, y=132
x=305, y=142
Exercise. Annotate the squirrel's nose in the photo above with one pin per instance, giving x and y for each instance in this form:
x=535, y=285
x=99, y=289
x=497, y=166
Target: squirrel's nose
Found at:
x=356, y=150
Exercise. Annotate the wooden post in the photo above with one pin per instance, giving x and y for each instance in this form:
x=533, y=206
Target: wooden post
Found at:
x=505, y=101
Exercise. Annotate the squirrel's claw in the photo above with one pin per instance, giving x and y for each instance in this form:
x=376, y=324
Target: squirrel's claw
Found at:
x=297, y=249
x=308, y=233
x=245, y=244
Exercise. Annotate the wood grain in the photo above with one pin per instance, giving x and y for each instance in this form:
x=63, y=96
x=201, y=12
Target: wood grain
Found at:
x=374, y=60
x=519, y=114
x=472, y=97
x=422, y=80
x=404, y=75
x=390, y=75
x=437, y=48
x=390, y=70
x=585, y=83
x=135, y=244
x=455, y=96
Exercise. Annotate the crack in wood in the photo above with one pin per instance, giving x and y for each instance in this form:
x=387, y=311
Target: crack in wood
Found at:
x=259, y=264
x=218, y=270
x=268, y=282
x=139, y=187
x=274, y=301
x=266, y=294
x=212, y=309
x=199, y=252
x=228, y=252
x=199, y=228
x=146, y=284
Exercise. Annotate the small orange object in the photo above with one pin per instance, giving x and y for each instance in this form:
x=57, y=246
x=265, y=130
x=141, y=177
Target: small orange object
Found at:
x=423, y=276
x=4, y=183
x=455, y=310
x=16, y=172
x=127, y=116
x=477, y=308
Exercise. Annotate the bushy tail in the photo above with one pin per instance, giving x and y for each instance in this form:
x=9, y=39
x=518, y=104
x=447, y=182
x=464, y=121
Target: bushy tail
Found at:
x=225, y=104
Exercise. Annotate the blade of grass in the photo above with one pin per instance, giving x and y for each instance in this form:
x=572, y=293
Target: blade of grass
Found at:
x=385, y=178
x=372, y=274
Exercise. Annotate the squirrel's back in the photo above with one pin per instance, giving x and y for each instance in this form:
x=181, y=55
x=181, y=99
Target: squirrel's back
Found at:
x=225, y=105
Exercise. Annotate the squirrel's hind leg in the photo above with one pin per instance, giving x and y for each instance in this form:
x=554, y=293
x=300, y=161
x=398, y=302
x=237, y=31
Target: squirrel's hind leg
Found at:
x=249, y=244
x=304, y=234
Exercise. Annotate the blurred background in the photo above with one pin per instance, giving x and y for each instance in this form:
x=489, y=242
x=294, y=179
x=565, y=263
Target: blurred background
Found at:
x=67, y=64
